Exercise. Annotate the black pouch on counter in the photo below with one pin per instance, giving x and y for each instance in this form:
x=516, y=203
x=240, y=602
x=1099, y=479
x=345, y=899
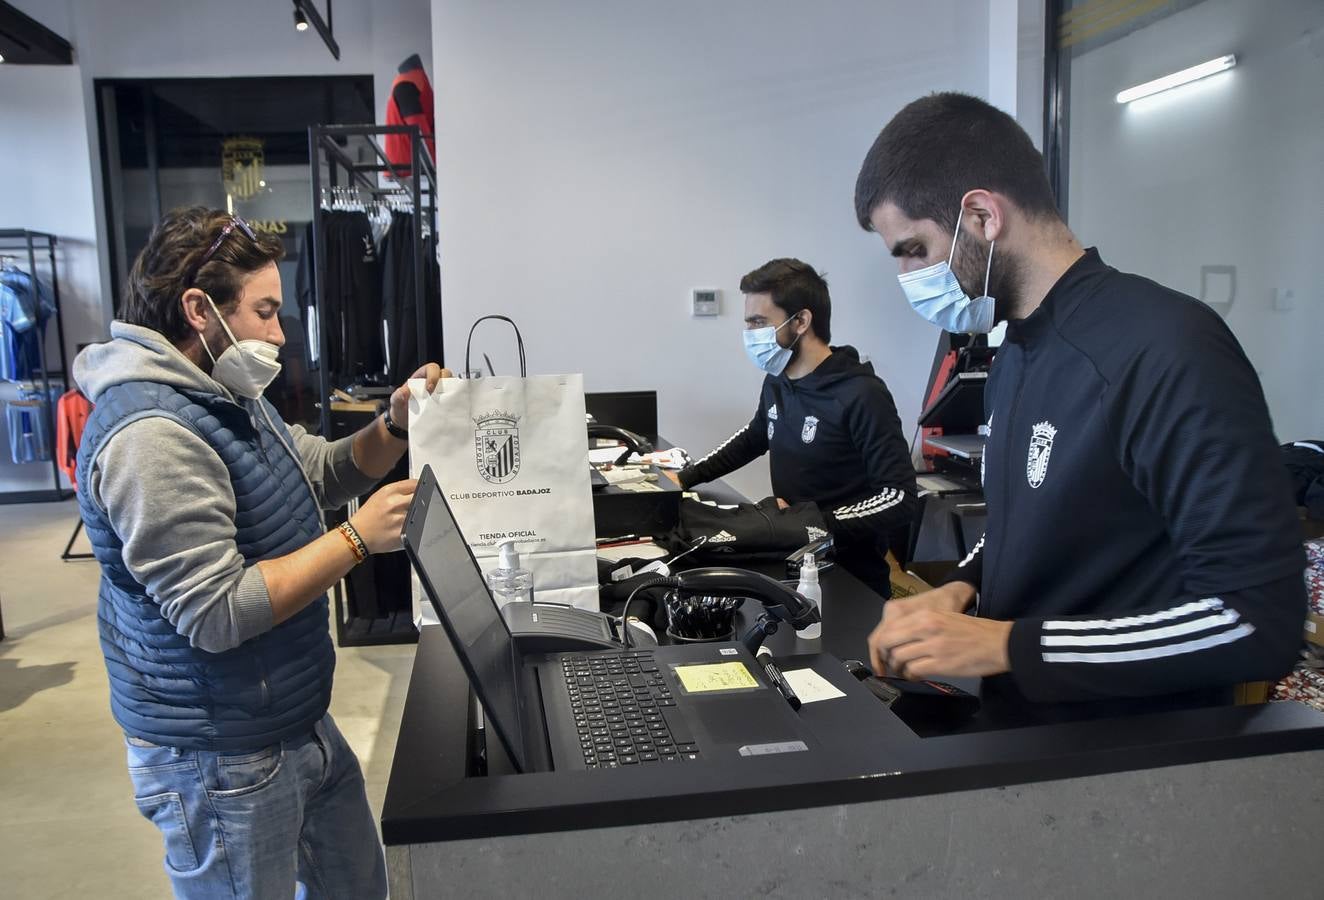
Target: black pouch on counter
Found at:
x=749, y=531
x=928, y=707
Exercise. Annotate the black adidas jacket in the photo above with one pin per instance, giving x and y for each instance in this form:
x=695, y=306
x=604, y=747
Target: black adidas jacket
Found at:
x=835, y=440
x=1141, y=533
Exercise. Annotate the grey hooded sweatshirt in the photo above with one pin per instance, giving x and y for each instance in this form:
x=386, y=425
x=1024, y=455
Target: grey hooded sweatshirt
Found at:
x=170, y=501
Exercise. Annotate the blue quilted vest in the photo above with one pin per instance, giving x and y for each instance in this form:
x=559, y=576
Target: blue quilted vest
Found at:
x=273, y=686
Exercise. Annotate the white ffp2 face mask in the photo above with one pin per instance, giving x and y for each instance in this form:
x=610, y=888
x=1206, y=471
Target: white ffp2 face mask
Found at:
x=936, y=295
x=245, y=367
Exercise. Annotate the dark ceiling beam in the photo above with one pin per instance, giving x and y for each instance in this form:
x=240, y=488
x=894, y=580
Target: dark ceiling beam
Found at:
x=25, y=41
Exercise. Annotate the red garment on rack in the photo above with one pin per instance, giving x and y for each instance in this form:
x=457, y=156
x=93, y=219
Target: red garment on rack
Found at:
x=71, y=414
x=410, y=104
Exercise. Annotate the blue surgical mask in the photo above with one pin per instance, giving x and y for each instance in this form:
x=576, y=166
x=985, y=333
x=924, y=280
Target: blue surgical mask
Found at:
x=936, y=295
x=763, y=350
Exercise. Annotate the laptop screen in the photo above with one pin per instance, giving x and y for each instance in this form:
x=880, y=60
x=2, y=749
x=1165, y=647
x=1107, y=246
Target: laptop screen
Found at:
x=454, y=584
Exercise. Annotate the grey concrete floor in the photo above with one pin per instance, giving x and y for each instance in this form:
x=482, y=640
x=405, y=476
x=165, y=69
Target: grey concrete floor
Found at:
x=68, y=824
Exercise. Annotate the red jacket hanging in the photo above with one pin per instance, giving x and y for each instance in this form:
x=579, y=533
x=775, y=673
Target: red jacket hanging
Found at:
x=410, y=104
x=71, y=414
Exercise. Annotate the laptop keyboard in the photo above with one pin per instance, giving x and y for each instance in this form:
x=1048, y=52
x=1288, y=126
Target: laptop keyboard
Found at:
x=625, y=714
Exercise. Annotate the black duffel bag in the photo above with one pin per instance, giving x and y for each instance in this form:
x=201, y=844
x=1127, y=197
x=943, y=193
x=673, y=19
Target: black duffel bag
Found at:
x=748, y=531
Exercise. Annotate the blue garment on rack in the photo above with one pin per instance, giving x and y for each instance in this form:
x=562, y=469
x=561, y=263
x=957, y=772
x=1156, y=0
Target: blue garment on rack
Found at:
x=29, y=431
x=25, y=306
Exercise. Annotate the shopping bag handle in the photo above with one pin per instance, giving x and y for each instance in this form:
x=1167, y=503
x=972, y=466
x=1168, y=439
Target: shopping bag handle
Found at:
x=519, y=340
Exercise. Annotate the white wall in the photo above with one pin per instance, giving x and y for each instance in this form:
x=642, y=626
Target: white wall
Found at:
x=1003, y=57
x=598, y=159
x=47, y=183
x=1030, y=69
x=1223, y=172
x=46, y=186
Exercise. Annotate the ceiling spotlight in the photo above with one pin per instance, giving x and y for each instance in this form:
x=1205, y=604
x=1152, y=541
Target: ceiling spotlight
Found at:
x=307, y=17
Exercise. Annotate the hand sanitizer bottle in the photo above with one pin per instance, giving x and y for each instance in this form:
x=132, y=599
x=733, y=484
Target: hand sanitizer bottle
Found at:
x=809, y=587
x=510, y=583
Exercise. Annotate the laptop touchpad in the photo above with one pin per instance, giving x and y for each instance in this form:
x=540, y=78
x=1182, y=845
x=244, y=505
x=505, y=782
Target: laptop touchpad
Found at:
x=751, y=719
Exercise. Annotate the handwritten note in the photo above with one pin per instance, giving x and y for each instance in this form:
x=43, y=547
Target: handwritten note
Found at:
x=728, y=676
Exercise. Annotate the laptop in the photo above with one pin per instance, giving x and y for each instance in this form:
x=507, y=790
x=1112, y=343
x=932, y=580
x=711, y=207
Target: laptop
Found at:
x=610, y=709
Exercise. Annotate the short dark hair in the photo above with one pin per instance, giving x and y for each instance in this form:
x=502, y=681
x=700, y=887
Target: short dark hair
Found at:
x=940, y=147
x=169, y=265
x=793, y=286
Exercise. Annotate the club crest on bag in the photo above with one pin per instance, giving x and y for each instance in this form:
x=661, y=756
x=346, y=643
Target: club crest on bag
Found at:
x=496, y=446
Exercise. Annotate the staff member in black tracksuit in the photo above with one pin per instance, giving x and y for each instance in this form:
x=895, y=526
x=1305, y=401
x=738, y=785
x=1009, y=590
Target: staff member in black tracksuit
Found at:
x=1141, y=539
x=827, y=420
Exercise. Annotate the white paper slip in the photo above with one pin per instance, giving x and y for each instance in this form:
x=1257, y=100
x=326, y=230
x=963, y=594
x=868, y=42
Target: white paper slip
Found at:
x=631, y=551
x=600, y=455
x=811, y=687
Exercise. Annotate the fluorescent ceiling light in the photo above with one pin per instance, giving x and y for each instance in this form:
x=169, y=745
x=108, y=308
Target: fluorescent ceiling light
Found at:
x=1176, y=79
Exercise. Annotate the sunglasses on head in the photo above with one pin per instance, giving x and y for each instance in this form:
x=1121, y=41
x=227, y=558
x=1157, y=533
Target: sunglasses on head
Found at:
x=235, y=222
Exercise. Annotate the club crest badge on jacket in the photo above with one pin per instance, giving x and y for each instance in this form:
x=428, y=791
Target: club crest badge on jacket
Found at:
x=811, y=428
x=1041, y=448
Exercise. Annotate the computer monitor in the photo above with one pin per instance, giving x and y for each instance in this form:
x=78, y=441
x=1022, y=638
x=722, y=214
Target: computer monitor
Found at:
x=634, y=410
x=454, y=584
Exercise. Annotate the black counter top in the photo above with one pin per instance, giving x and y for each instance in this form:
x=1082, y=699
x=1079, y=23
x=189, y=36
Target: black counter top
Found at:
x=429, y=798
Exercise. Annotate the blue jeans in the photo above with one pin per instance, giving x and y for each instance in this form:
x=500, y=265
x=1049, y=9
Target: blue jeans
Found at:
x=252, y=825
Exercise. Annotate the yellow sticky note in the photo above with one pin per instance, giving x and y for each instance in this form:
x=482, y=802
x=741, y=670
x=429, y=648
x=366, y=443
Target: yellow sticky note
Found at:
x=727, y=676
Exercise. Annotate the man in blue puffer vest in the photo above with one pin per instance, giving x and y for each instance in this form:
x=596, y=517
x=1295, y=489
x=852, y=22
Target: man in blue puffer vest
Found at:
x=204, y=510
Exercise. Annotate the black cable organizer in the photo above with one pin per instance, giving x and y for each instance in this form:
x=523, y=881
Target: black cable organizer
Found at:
x=27, y=243
x=331, y=146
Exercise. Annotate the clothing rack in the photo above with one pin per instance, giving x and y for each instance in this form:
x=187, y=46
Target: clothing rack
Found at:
x=27, y=243
x=349, y=179
x=339, y=182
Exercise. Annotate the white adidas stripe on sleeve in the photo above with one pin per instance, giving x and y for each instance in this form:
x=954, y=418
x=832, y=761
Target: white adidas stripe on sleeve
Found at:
x=723, y=445
x=1142, y=636
x=1121, y=656
x=882, y=502
x=1176, y=612
x=1202, y=615
x=872, y=501
x=973, y=553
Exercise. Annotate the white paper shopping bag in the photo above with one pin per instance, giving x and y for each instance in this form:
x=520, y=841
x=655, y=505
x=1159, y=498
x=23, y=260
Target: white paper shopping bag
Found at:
x=511, y=456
